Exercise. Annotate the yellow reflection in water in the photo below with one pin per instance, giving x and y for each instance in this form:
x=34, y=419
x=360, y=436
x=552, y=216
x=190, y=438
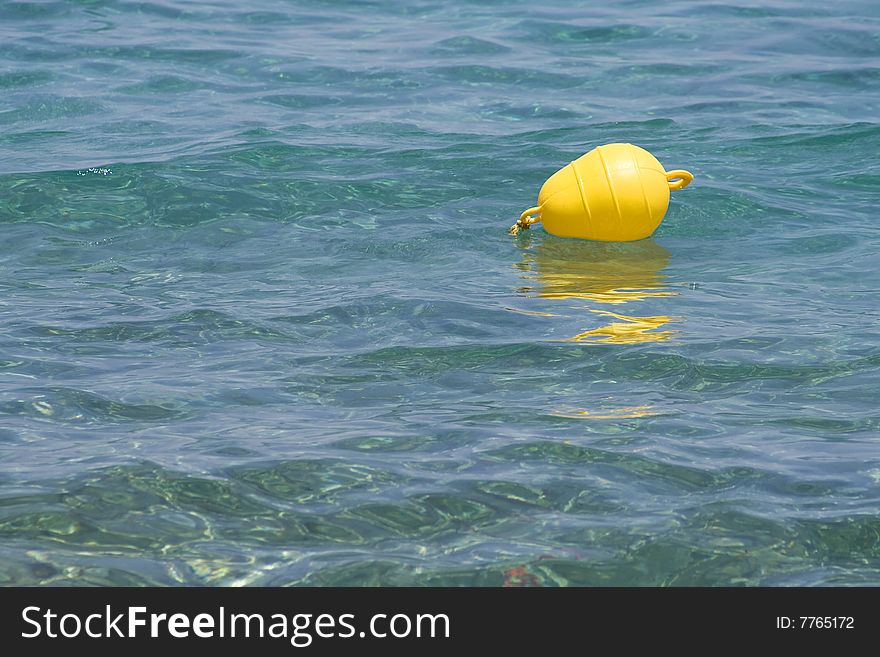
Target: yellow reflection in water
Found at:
x=605, y=272
x=601, y=273
x=611, y=413
x=630, y=330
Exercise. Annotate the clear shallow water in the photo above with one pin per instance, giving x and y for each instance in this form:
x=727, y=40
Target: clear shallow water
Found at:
x=261, y=322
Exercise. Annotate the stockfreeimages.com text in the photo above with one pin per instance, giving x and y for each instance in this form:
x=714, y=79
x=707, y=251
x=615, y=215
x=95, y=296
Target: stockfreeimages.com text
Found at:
x=300, y=629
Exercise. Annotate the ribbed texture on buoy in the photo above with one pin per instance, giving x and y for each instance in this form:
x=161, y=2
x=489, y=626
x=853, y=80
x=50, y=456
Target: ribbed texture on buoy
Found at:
x=616, y=192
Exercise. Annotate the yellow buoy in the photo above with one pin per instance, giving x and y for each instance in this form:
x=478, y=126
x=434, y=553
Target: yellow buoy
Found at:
x=614, y=193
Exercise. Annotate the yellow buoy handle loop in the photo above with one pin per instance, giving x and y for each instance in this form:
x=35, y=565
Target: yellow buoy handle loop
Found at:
x=679, y=178
x=525, y=221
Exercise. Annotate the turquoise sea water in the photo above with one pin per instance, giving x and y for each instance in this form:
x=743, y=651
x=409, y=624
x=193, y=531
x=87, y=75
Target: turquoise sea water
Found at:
x=261, y=322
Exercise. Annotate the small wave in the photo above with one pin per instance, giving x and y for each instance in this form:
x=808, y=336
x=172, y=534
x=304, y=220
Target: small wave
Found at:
x=73, y=405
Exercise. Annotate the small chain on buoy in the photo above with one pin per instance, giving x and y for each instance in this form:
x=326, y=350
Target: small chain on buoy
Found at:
x=525, y=221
